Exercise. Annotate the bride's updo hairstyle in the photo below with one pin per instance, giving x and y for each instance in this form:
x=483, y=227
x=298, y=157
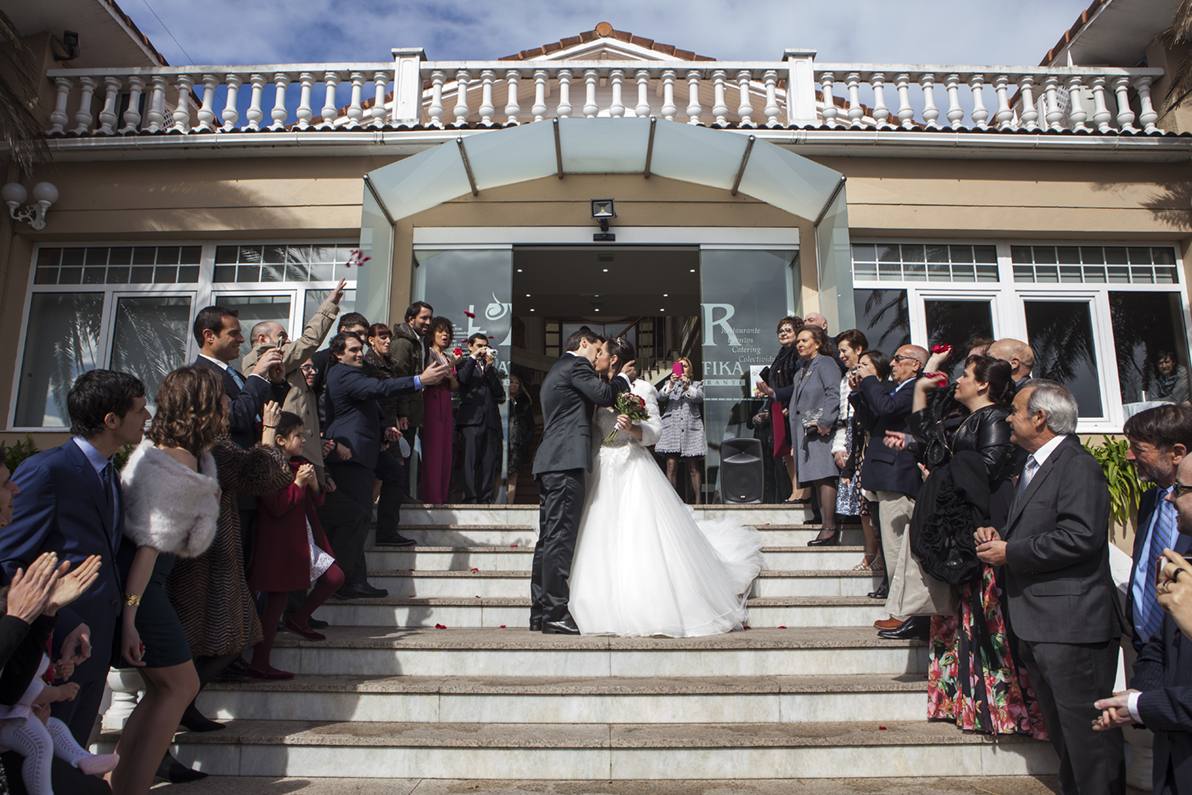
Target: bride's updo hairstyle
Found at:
x=624, y=351
x=190, y=413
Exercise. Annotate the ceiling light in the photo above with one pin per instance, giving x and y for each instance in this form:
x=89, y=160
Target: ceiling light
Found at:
x=666, y=295
x=531, y=310
x=606, y=270
x=527, y=295
x=692, y=270
x=597, y=309
x=519, y=270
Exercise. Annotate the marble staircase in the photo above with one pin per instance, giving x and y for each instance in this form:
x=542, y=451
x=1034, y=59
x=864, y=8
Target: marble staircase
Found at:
x=443, y=680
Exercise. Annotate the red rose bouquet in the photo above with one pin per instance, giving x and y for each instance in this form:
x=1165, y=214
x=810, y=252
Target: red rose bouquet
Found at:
x=630, y=405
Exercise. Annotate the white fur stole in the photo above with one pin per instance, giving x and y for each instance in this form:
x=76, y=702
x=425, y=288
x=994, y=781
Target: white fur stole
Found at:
x=168, y=505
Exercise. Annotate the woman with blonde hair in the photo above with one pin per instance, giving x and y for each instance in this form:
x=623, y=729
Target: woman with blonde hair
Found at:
x=682, y=426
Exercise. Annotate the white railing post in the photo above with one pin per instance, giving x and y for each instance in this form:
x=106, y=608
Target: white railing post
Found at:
x=669, y=109
x=1148, y=116
x=955, y=112
x=1101, y=114
x=254, y=114
x=304, y=112
x=181, y=119
x=380, y=83
x=930, y=111
x=616, y=107
x=279, y=114
x=693, y=107
x=906, y=113
x=1030, y=114
x=830, y=112
x=329, y=111
x=855, y=111
x=539, y=108
x=881, y=113
x=207, y=110
x=564, y=110
x=643, y=93
x=1077, y=115
x=487, y=108
x=745, y=104
x=1004, y=117
x=1051, y=101
x=157, y=104
x=356, y=101
x=980, y=115
x=132, y=115
x=84, y=119
x=800, y=87
x=437, y=79
x=1125, y=116
x=107, y=116
x=590, y=107
x=461, y=98
x=230, y=114
x=58, y=117
x=407, y=86
x=512, y=106
x=719, y=105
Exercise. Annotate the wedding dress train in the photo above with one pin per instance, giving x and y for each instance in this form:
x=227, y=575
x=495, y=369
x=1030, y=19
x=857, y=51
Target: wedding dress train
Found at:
x=643, y=565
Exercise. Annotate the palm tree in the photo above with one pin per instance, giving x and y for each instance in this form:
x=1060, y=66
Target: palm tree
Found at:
x=20, y=128
x=1179, y=32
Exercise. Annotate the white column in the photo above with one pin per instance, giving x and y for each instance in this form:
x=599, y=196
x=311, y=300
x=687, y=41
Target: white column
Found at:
x=407, y=86
x=157, y=104
x=1125, y=116
x=881, y=113
x=58, y=117
x=564, y=110
x=539, y=108
x=487, y=108
x=107, y=116
x=304, y=112
x=1101, y=114
x=955, y=112
x=1148, y=116
x=1004, y=118
x=906, y=114
x=461, y=98
x=745, y=103
x=800, y=87
x=855, y=112
x=207, y=110
x=772, y=111
x=1076, y=112
x=279, y=114
x=668, y=95
x=590, y=106
x=693, y=106
x=643, y=93
x=616, y=108
x=512, y=106
x=356, y=102
x=1030, y=114
x=719, y=105
x=1051, y=101
x=437, y=79
x=254, y=114
x=930, y=112
x=230, y=114
x=980, y=114
x=330, y=111
x=182, y=109
x=132, y=115
x=830, y=112
x=379, y=114
x=84, y=119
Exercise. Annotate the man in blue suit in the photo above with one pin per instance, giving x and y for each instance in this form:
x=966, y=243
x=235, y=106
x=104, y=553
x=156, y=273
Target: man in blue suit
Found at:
x=354, y=420
x=71, y=503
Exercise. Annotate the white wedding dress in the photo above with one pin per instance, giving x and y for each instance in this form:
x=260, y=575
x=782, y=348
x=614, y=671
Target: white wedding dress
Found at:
x=643, y=565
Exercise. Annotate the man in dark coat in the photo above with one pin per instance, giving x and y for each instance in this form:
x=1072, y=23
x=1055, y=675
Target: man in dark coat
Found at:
x=479, y=419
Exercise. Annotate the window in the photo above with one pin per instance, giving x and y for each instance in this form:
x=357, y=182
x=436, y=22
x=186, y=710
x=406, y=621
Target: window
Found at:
x=254, y=309
x=917, y=262
x=68, y=342
x=883, y=317
x=1061, y=335
x=1145, y=325
x=1094, y=264
x=118, y=265
x=958, y=323
x=149, y=337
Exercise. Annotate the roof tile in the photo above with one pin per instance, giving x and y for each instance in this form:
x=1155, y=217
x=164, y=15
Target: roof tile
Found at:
x=619, y=35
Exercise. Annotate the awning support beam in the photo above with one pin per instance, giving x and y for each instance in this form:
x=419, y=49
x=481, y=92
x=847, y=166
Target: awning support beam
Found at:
x=377, y=197
x=650, y=146
x=558, y=151
x=463, y=155
x=832, y=198
x=744, y=161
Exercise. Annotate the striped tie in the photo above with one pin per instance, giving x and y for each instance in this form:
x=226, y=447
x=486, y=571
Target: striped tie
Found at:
x=1150, y=614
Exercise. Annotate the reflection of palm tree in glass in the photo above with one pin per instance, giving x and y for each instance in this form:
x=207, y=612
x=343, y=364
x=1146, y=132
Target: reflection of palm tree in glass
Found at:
x=888, y=310
x=1062, y=340
x=78, y=351
x=1142, y=325
x=150, y=338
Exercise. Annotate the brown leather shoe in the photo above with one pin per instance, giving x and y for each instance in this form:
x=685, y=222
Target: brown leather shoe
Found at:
x=887, y=623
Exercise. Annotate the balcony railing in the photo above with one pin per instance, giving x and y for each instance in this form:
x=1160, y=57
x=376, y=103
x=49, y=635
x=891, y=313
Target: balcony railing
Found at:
x=412, y=93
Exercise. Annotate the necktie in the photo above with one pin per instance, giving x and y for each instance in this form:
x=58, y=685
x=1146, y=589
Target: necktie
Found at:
x=239, y=379
x=1028, y=472
x=105, y=476
x=1149, y=613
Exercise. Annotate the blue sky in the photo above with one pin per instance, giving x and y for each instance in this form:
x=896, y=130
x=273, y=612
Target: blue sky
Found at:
x=1010, y=32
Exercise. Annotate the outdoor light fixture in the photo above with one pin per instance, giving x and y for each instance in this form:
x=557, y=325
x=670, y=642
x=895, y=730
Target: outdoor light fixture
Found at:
x=14, y=195
x=602, y=210
x=70, y=42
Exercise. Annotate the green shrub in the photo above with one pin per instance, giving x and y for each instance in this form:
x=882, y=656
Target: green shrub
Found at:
x=1125, y=491
x=16, y=453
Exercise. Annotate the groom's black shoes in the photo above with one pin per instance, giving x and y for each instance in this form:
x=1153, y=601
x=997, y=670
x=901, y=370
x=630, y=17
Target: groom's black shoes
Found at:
x=564, y=626
x=536, y=624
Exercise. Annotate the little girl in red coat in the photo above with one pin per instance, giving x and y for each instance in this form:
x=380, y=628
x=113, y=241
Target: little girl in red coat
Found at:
x=290, y=551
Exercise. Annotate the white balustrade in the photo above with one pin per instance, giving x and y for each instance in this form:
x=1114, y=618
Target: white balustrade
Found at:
x=254, y=114
x=461, y=99
x=564, y=109
x=719, y=107
x=330, y=83
x=643, y=93
x=856, y=111
x=356, y=103
x=1076, y=111
x=1004, y=118
x=591, y=77
x=380, y=83
x=1125, y=116
x=436, y=99
x=107, y=116
x=906, y=113
x=304, y=112
x=539, y=108
x=207, y=110
x=83, y=119
x=669, y=109
x=230, y=114
x=1030, y=114
x=955, y=112
x=512, y=106
x=772, y=111
x=930, y=112
x=279, y=114
x=693, y=108
x=979, y=115
x=1101, y=114
x=58, y=116
x=829, y=111
x=487, y=109
x=181, y=118
x=157, y=104
x=881, y=113
x=1148, y=116
x=132, y=115
x=616, y=106
x=744, y=105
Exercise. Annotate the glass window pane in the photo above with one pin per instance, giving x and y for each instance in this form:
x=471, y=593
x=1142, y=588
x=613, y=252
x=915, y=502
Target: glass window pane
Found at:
x=93, y=275
x=1061, y=335
x=225, y=254
x=46, y=276
x=938, y=272
x=63, y=344
x=168, y=255
x=1069, y=255
x=985, y=254
x=49, y=257
x=915, y=272
x=70, y=276
x=961, y=253
x=166, y=275
x=987, y=273
x=861, y=271
x=73, y=256
x=937, y=254
x=1044, y=254
x=143, y=275
x=1163, y=256
x=883, y=316
x=188, y=274
x=149, y=338
x=1021, y=254
x=118, y=275
x=248, y=273
x=865, y=252
x=97, y=256
x=315, y=297
x=225, y=273
x=957, y=323
x=255, y=309
x=191, y=255
x=142, y=255
x=1144, y=324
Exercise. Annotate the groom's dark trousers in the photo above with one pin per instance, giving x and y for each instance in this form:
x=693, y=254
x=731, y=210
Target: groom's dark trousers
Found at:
x=560, y=503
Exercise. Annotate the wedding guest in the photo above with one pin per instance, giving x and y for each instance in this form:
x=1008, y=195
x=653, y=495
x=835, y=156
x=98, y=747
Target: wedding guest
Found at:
x=879, y=363
x=521, y=433
x=408, y=353
x=351, y=323
x=294, y=553
x=1171, y=383
x=851, y=344
x=1175, y=582
x=438, y=424
x=479, y=419
x=814, y=407
x=1018, y=354
x=781, y=373
x=390, y=470
x=683, y=427
x=172, y=508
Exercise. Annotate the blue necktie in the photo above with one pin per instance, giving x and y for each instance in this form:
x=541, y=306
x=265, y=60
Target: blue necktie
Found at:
x=105, y=476
x=239, y=379
x=1150, y=614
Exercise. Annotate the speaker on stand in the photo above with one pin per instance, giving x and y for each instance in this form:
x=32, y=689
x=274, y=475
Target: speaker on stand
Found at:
x=742, y=471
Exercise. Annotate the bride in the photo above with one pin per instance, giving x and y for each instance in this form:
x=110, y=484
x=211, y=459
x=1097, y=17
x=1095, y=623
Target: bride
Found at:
x=643, y=565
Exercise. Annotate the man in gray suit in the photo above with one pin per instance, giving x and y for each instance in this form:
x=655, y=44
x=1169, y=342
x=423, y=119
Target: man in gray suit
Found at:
x=1061, y=600
x=570, y=393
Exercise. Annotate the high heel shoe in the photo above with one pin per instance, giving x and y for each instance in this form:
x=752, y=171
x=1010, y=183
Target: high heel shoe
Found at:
x=829, y=541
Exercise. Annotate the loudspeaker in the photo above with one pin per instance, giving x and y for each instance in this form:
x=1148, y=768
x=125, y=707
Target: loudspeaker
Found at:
x=742, y=472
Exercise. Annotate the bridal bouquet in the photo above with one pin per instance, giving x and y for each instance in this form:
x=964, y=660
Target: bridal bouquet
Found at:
x=630, y=405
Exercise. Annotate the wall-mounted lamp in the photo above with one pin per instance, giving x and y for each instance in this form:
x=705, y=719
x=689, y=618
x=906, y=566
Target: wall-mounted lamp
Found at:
x=70, y=43
x=602, y=210
x=14, y=195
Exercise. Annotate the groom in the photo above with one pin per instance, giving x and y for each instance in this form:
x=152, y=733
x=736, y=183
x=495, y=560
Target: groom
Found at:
x=569, y=395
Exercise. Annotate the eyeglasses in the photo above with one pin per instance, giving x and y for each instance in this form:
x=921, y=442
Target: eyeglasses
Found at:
x=308, y=368
x=898, y=357
x=1177, y=489
x=786, y=331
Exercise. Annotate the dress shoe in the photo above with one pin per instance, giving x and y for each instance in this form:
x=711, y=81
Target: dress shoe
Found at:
x=270, y=673
x=914, y=628
x=395, y=540
x=536, y=624
x=829, y=541
x=371, y=592
x=196, y=721
x=175, y=772
x=305, y=632
x=887, y=623
x=315, y=623
x=235, y=671
x=239, y=665
x=360, y=590
x=564, y=626
x=883, y=592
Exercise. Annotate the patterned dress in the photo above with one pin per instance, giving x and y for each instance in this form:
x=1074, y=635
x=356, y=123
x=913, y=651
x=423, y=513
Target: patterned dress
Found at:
x=682, y=425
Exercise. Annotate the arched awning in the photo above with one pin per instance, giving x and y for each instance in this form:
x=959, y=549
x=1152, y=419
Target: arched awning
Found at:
x=716, y=158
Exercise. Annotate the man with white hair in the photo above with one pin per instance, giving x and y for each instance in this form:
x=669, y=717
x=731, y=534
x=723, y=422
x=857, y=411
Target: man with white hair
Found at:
x=1019, y=355
x=1060, y=596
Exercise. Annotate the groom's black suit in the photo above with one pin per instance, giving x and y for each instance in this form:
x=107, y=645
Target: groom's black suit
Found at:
x=569, y=395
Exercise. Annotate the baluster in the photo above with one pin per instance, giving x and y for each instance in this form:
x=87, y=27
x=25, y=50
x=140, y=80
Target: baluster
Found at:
x=745, y=103
x=181, y=117
x=955, y=112
x=830, y=111
x=643, y=93
x=380, y=83
x=59, y=117
x=329, y=112
x=980, y=114
x=461, y=99
x=207, y=111
x=1076, y=112
x=107, y=116
x=1125, y=116
x=668, y=95
x=772, y=111
x=930, y=111
x=132, y=115
x=279, y=114
x=539, y=109
x=616, y=108
x=254, y=114
x=564, y=110
x=1148, y=116
x=590, y=107
x=230, y=115
x=1101, y=114
x=1030, y=114
x=881, y=113
x=437, y=79
x=855, y=112
x=84, y=119
x=693, y=107
x=906, y=114
x=1004, y=118
x=1051, y=102
x=512, y=106
x=487, y=109
x=157, y=104
x=719, y=106
x=304, y=112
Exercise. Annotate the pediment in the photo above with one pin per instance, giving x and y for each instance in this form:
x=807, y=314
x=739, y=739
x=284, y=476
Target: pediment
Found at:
x=605, y=43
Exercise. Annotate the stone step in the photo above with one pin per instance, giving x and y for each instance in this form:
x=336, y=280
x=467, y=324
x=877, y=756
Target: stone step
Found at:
x=503, y=558
x=486, y=699
x=366, y=651
x=512, y=584
x=492, y=612
x=528, y=515
x=719, y=751
x=520, y=536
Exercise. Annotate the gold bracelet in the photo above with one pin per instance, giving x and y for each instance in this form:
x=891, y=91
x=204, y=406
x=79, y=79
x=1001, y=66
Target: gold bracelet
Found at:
x=132, y=600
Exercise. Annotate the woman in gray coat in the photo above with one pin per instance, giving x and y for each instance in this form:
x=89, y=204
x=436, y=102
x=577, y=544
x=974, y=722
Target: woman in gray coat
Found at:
x=682, y=427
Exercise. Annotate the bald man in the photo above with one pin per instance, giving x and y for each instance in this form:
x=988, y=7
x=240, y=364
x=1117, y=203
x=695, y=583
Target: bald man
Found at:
x=816, y=319
x=1018, y=354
